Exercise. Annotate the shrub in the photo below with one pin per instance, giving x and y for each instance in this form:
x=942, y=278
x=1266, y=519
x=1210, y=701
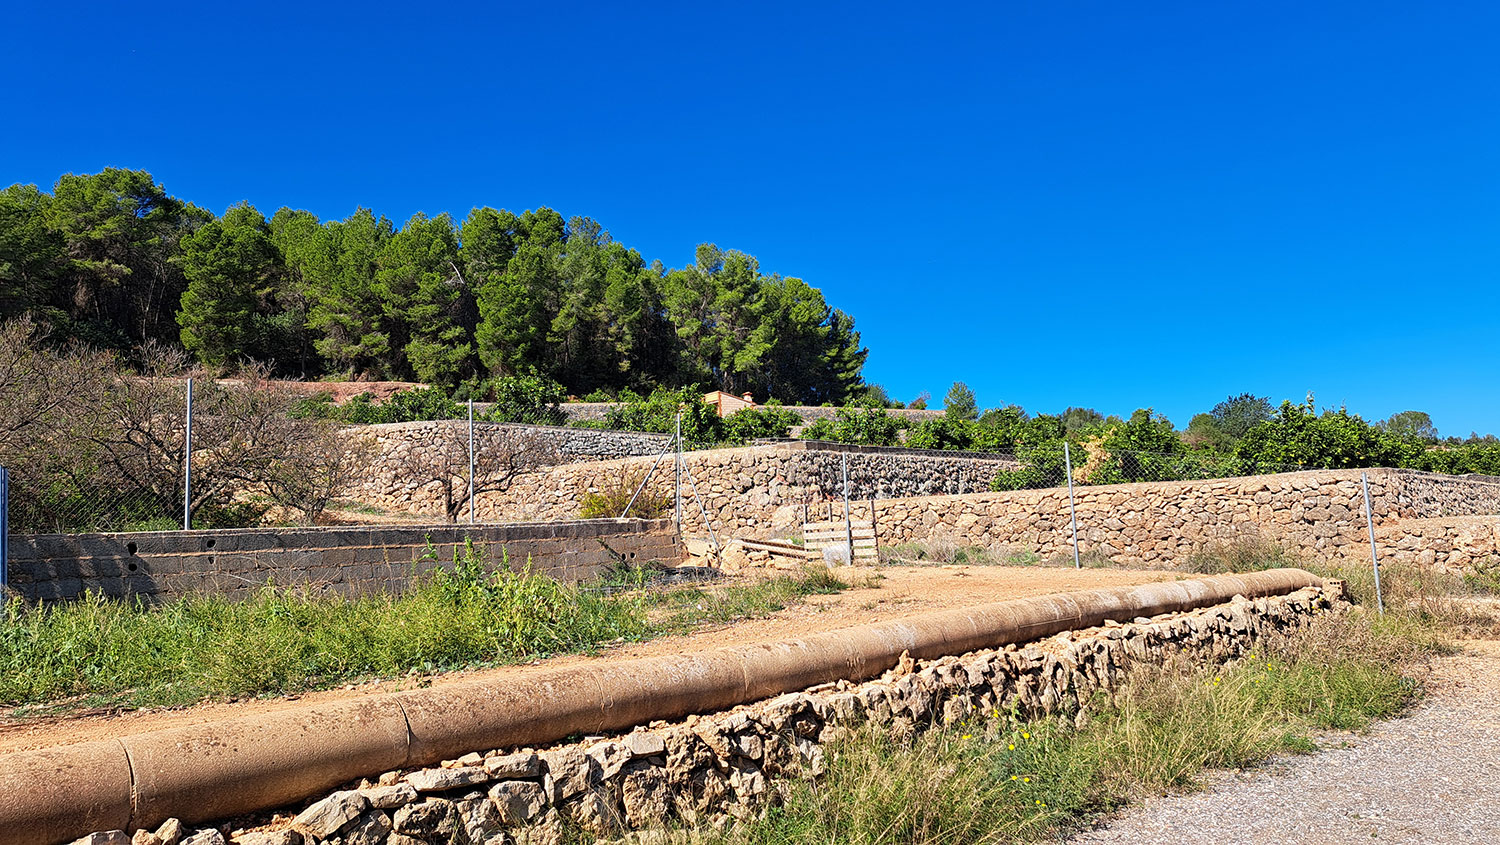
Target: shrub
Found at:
x=866, y=426
x=749, y=424
x=941, y=433
x=611, y=498
x=526, y=399
x=658, y=413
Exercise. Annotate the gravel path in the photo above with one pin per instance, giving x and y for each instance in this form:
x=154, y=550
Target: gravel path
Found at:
x=1431, y=776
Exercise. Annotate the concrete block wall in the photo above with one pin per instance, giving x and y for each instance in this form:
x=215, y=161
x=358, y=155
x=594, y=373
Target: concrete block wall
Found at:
x=161, y=565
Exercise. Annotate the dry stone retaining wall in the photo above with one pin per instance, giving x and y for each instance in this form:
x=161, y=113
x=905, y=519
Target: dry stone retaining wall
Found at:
x=386, y=481
x=1453, y=544
x=734, y=763
x=594, y=411
x=1318, y=514
x=741, y=490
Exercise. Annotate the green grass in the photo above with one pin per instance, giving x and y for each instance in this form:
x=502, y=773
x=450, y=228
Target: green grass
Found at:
x=998, y=780
x=683, y=609
x=98, y=652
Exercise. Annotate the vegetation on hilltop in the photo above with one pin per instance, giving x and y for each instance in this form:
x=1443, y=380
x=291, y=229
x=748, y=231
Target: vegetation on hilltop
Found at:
x=113, y=261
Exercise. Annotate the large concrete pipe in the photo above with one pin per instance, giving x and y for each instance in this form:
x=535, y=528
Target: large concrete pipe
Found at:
x=240, y=765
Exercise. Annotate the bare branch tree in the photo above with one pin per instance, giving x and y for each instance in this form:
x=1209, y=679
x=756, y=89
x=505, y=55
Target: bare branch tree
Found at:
x=502, y=455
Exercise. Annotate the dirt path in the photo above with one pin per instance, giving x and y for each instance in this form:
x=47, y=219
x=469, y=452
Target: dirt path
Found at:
x=886, y=593
x=1430, y=776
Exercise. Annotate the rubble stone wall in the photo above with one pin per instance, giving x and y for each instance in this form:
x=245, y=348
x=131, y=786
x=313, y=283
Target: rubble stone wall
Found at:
x=385, y=479
x=1317, y=514
x=742, y=490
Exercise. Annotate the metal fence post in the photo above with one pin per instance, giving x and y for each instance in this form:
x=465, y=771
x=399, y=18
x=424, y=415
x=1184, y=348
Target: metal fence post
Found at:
x=848, y=525
x=677, y=473
x=4, y=534
x=187, y=463
x=1364, y=480
x=1072, y=508
x=471, y=461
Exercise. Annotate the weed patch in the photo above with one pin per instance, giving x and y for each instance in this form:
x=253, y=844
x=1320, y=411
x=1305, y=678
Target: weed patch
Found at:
x=97, y=652
x=998, y=780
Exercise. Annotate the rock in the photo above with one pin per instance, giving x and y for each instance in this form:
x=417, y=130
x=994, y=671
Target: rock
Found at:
x=434, y=820
x=390, y=797
x=610, y=757
x=645, y=744
x=525, y=765
x=442, y=780
x=569, y=771
x=369, y=829
x=326, y=817
x=594, y=813
x=518, y=801
x=145, y=837
x=206, y=836
x=480, y=818
x=107, y=837
x=645, y=795
x=170, y=832
x=270, y=837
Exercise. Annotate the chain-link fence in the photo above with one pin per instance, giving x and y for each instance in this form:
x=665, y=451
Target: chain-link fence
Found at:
x=161, y=453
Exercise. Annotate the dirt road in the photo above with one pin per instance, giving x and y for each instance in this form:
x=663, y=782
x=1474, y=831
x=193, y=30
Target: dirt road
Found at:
x=883, y=593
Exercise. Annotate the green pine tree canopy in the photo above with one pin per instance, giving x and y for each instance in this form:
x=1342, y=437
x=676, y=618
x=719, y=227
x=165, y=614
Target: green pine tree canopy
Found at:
x=111, y=260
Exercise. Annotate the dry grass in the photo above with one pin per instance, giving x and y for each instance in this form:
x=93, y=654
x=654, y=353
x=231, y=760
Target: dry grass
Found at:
x=999, y=780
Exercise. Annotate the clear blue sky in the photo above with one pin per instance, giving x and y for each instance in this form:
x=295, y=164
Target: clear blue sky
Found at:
x=1086, y=203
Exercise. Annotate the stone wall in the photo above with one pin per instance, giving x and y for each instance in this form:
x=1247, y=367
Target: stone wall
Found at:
x=386, y=480
x=1453, y=544
x=1318, y=514
x=593, y=411
x=161, y=565
x=726, y=765
x=741, y=490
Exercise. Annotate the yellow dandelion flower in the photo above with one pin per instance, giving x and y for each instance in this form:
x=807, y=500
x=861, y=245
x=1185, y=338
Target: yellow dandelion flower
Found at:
x=1012, y=747
x=1014, y=777
x=1025, y=735
x=1025, y=780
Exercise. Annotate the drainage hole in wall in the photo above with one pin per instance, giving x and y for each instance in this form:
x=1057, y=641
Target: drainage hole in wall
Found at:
x=210, y=543
x=132, y=566
x=130, y=547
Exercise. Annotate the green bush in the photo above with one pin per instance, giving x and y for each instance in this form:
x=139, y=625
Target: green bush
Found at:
x=865, y=426
x=941, y=433
x=417, y=405
x=768, y=421
x=657, y=413
x=526, y=399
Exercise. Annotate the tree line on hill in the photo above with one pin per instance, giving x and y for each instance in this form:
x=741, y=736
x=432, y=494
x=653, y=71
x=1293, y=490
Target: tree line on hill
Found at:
x=1242, y=435
x=113, y=261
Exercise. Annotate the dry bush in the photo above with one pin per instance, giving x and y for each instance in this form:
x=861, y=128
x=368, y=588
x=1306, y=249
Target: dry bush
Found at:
x=1247, y=553
x=97, y=450
x=610, y=499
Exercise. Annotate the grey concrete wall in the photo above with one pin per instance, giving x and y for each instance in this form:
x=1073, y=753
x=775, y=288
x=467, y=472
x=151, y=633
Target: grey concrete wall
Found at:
x=160, y=565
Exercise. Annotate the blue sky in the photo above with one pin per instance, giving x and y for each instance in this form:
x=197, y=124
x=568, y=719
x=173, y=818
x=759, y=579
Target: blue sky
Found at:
x=1077, y=203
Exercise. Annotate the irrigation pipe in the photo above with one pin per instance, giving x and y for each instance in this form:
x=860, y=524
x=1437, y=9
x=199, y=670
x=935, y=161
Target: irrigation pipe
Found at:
x=221, y=769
